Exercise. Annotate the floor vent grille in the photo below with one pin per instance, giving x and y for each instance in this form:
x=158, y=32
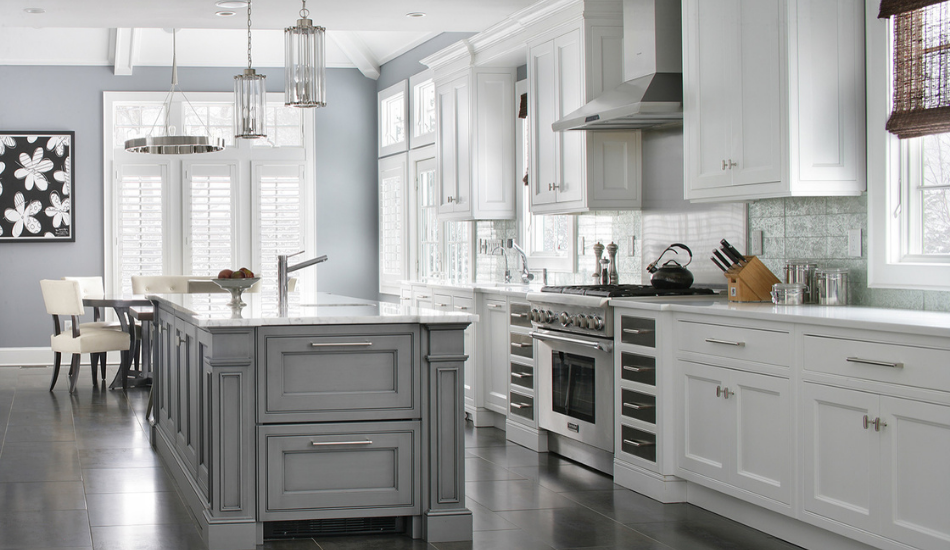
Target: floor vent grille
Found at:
x=329, y=527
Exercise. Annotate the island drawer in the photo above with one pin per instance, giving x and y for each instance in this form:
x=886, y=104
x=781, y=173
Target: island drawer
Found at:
x=339, y=373
x=923, y=367
x=770, y=347
x=339, y=467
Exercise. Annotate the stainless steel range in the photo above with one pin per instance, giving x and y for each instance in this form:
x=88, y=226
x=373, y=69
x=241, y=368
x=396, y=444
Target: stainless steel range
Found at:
x=574, y=330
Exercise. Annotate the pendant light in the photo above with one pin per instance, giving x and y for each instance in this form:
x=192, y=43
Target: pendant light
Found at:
x=249, y=92
x=305, y=67
x=170, y=144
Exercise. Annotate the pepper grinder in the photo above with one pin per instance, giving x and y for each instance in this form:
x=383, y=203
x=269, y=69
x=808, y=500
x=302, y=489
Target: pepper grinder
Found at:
x=598, y=253
x=612, y=273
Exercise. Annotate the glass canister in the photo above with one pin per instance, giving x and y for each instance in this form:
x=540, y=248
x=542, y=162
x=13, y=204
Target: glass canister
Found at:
x=789, y=294
x=832, y=283
x=803, y=271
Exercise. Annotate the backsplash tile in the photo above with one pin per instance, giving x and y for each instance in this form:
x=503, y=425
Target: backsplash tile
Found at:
x=816, y=228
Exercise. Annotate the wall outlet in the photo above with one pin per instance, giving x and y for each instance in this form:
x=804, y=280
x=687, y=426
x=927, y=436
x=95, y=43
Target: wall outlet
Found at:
x=755, y=243
x=854, y=243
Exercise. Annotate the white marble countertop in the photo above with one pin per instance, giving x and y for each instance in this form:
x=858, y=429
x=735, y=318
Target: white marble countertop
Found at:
x=211, y=310
x=507, y=289
x=929, y=323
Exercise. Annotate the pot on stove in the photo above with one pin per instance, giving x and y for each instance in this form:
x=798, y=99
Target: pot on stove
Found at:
x=671, y=275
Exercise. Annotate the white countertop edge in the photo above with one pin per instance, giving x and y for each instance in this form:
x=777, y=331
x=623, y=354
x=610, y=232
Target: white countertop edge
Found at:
x=329, y=315
x=925, y=323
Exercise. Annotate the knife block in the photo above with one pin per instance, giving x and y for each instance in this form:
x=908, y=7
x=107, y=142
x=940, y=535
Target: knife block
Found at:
x=751, y=282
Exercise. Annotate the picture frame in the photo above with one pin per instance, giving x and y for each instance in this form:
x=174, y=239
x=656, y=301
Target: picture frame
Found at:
x=36, y=190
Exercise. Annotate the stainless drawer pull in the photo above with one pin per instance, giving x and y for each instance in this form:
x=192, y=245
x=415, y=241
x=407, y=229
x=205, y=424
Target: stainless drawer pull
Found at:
x=638, y=330
x=329, y=443
x=638, y=406
x=520, y=345
x=441, y=305
x=422, y=296
x=638, y=443
x=518, y=315
x=595, y=344
x=494, y=306
x=725, y=342
x=520, y=406
x=877, y=363
x=340, y=344
x=637, y=369
x=521, y=375
x=462, y=308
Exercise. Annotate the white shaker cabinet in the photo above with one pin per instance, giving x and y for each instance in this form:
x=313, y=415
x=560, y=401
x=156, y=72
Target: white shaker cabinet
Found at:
x=576, y=171
x=475, y=144
x=773, y=98
x=493, y=356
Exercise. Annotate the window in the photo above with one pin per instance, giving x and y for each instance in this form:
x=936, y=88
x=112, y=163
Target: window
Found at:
x=198, y=214
x=392, y=119
x=422, y=90
x=908, y=183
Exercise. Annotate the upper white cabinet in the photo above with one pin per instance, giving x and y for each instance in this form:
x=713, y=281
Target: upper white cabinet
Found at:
x=773, y=97
x=475, y=144
x=577, y=171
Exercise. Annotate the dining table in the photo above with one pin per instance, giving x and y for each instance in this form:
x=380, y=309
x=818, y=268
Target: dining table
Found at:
x=122, y=305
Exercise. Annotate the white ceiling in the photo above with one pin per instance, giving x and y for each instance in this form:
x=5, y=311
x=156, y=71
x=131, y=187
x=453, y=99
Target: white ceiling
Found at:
x=360, y=33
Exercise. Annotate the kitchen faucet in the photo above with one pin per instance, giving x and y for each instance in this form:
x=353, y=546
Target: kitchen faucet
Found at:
x=283, y=277
x=499, y=248
x=526, y=276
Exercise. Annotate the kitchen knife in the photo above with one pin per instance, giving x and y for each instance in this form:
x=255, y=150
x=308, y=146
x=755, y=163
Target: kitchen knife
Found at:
x=722, y=259
x=719, y=265
x=731, y=252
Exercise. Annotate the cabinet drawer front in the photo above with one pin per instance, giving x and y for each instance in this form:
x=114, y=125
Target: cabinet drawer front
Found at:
x=441, y=301
x=339, y=466
x=638, y=405
x=518, y=314
x=522, y=345
x=521, y=405
x=638, y=368
x=345, y=377
x=638, y=443
x=639, y=331
x=890, y=363
x=522, y=375
x=465, y=305
x=747, y=344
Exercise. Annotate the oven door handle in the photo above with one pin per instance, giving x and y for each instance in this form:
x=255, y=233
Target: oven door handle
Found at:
x=602, y=346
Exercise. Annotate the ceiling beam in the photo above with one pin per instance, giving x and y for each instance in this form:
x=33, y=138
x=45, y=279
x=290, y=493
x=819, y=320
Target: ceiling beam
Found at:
x=123, y=41
x=355, y=49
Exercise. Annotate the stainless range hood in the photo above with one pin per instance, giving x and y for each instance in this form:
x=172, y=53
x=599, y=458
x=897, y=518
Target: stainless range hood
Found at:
x=652, y=93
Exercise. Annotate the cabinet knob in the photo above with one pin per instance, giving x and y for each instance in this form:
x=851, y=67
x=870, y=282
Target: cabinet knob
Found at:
x=553, y=187
x=878, y=424
x=723, y=392
x=728, y=164
x=450, y=199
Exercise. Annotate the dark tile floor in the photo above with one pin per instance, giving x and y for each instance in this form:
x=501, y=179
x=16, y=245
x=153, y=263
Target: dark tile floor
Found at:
x=76, y=471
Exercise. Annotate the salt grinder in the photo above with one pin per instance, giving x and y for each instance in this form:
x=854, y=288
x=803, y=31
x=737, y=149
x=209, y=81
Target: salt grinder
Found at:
x=612, y=273
x=598, y=253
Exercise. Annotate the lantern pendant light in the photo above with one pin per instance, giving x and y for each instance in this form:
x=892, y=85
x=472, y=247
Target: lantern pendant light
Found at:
x=249, y=94
x=169, y=143
x=305, y=68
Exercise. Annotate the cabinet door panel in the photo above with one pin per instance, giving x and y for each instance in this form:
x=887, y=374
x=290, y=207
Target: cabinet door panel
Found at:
x=614, y=159
x=763, y=435
x=450, y=166
x=495, y=356
x=916, y=475
x=841, y=455
x=494, y=163
x=543, y=109
x=570, y=97
x=706, y=431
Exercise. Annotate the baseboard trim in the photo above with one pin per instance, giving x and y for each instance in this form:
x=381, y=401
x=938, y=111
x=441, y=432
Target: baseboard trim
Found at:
x=656, y=486
x=42, y=357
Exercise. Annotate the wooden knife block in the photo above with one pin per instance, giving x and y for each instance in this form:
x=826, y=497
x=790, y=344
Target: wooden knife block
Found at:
x=751, y=282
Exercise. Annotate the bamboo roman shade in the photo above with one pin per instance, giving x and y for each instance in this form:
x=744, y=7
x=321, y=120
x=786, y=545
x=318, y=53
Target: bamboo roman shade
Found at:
x=921, y=66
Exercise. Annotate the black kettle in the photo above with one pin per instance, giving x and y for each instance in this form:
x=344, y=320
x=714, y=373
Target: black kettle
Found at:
x=671, y=275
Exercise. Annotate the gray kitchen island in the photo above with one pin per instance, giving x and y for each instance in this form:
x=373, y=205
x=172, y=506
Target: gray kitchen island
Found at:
x=343, y=416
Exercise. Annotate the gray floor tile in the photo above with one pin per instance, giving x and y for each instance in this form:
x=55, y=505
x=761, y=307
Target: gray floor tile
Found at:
x=626, y=506
x=55, y=431
x=39, y=461
x=479, y=469
x=484, y=519
x=484, y=437
x=136, y=509
x=173, y=536
x=137, y=457
x=497, y=540
x=296, y=544
x=132, y=480
x=515, y=495
x=52, y=495
x=723, y=534
x=562, y=477
x=56, y=528
x=578, y=527
x=373, y=542
x=512, y=455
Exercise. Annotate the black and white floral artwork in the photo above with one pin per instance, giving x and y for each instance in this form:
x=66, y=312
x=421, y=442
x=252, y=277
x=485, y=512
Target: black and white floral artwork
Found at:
x=36, y=199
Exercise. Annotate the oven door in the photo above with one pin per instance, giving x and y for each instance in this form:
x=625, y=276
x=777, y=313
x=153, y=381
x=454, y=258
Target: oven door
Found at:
x=575, y=386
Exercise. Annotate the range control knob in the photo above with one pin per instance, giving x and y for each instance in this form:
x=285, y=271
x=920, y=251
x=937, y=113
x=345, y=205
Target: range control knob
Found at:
x=598, y=323
x=580, y=320
x=534, y=315
x=549, y=316
x=564, y=319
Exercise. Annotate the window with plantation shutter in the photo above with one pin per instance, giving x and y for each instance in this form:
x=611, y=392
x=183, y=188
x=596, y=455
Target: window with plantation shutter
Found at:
x=280, y=225
x=393, y=248
x=139, y=239
x=209, y=229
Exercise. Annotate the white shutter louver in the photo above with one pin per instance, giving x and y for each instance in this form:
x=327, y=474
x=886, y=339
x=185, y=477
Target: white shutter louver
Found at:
x=393, y=245
x=208, y=227
x=139, y=219
x=280, y=218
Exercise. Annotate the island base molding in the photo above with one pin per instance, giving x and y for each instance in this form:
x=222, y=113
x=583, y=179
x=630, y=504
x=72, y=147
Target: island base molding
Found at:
x=445, y=526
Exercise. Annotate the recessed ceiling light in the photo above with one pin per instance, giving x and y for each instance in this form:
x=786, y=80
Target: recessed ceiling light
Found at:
x=231, y=4
x=34, y=10
x=415, y=14
x=224, y=13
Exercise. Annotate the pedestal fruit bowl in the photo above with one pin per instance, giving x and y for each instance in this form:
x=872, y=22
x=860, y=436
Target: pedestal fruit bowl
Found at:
x=236, y=287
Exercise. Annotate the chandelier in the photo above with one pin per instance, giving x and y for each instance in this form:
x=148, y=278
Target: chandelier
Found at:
x=305, y=68
x=249, y=92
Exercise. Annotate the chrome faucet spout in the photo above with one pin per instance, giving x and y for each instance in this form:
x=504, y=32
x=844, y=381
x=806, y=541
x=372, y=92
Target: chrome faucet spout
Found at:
x=283, y=277
x=526, y=276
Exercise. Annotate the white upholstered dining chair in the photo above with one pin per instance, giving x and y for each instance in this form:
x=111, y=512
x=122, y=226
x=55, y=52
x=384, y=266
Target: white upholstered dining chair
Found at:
x=64, y=298
x=93, y=286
